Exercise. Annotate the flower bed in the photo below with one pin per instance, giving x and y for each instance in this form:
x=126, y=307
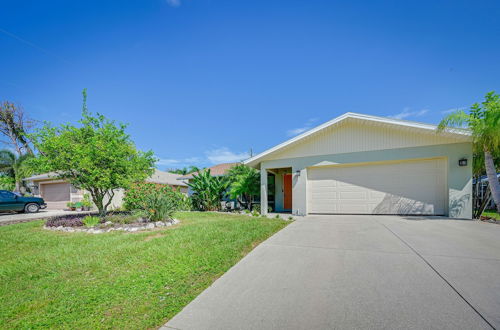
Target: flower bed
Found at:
x=115, y=222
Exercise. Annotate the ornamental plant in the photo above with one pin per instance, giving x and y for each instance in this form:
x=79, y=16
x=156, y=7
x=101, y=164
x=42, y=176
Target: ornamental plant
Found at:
x=136, y=197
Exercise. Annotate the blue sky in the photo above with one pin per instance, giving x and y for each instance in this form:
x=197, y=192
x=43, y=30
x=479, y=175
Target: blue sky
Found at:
x=203, y=81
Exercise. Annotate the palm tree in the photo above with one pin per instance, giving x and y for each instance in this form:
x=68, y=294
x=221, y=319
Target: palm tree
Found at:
x=185, y=170
x=245, y=184
x=14, y=166
x=484, y=123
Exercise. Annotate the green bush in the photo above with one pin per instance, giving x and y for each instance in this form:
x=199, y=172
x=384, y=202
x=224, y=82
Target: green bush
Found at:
x=256, y=208
x=91, y=221
x=136, y=198
x=6, y=183
x=159, y=206
x=208, y=191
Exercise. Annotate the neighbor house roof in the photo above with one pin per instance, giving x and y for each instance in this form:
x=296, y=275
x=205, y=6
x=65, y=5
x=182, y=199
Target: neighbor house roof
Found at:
x=216, y=170
x=157, y=177
x=351, y=116
x=166, y=178
x=44, y=176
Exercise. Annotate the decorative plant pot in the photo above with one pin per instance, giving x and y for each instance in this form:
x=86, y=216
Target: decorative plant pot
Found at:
x=72, y=208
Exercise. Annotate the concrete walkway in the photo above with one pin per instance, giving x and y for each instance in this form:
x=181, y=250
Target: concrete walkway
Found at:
x=359, y=272
x=10, y=218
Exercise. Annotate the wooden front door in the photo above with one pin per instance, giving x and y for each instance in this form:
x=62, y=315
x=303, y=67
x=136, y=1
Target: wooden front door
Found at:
x=287, y=191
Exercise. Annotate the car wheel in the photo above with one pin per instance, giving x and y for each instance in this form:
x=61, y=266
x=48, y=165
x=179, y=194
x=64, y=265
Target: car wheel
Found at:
x=31, y=208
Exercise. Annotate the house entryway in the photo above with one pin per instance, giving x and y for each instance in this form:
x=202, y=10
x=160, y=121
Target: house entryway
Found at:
x=280, y=186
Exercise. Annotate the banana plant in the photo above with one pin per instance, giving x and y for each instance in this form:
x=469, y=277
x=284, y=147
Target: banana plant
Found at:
x=208, y=190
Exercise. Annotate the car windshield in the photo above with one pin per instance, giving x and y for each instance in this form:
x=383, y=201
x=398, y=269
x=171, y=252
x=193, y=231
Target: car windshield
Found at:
x=18, y=194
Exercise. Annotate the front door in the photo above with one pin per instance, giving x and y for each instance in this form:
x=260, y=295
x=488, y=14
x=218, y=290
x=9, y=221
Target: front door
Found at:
x=287, y=191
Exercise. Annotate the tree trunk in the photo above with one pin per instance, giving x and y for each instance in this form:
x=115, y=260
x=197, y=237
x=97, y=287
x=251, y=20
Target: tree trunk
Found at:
x=492, y=178
x=97, y=198
x=486, y=200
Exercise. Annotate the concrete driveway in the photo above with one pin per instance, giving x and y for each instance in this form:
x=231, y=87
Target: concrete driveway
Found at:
x=359, y=272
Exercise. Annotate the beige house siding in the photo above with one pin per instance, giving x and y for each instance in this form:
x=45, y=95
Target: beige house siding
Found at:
x=458, y=179
x=356, y=136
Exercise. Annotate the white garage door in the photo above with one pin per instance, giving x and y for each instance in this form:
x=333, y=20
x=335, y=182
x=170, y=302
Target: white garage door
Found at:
x=416, y=187
x=55, y=192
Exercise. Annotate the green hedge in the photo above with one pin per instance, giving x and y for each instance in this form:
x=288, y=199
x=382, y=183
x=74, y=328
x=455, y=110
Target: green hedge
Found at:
x=136, y=197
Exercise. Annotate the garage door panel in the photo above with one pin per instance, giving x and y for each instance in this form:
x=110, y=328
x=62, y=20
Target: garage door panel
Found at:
x=416, y=187
x=56, y=192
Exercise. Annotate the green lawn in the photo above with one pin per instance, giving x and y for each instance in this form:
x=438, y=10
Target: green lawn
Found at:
x=118, y=280
x=492, y=213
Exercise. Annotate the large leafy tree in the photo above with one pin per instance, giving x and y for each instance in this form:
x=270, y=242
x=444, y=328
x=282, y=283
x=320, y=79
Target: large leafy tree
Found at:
x=483, y=120
x=97, y=155
x=15, y=167
x=208, y=190
x=244, y=184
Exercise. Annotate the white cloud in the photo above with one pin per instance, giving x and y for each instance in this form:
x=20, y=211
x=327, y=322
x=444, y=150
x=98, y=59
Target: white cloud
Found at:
x=173, y=3
x=224, y=155
x=178, y=162
x=445, y=112
x=299, y=130
x=408, y=113
x=167, y=162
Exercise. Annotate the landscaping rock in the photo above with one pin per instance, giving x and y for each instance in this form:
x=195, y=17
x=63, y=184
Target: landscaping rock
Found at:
x=109, y=227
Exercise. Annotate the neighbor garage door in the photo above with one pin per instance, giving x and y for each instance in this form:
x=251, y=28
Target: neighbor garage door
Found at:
x=56, y=192
x=416, y=187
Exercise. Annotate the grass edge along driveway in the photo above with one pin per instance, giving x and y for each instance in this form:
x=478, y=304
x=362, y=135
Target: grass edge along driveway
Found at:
x=118, y=279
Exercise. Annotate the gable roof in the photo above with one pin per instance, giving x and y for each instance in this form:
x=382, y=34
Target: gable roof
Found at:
x=216, y=170
x=157, y=177
x=166, y=178
x=351, y=116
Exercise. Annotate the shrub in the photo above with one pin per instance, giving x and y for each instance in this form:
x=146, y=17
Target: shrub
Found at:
x=159, y=206
x=277, y=216
x=136, y=197
x=256, y=208
x=208, y=191
x=91, y=220
x=66, y=221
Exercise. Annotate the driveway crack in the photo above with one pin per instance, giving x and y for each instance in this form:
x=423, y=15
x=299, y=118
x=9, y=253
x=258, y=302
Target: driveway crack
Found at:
x=440, y=275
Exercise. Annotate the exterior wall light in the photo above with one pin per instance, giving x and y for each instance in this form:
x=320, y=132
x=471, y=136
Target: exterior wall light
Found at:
x=462, y=162
x=297, y=173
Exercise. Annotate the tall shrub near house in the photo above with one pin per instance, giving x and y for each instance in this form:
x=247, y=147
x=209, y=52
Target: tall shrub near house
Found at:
x=244, y=184
x=483, y=120
x=208, y=191
x=137, y=196
x=97, y=155
x=15, y=167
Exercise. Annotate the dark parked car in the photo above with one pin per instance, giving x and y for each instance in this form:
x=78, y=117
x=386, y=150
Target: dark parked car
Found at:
x=10, y=201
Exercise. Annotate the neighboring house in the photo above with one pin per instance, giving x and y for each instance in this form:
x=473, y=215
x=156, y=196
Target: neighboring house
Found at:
x=57, y=193
x=361, y=164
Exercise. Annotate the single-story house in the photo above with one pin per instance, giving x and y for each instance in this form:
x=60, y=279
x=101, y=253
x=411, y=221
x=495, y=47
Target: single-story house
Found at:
x=57, y=193
x=362, y=164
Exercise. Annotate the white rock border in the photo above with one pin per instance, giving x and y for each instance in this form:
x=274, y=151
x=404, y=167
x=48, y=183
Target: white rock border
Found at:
x=119, y=227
